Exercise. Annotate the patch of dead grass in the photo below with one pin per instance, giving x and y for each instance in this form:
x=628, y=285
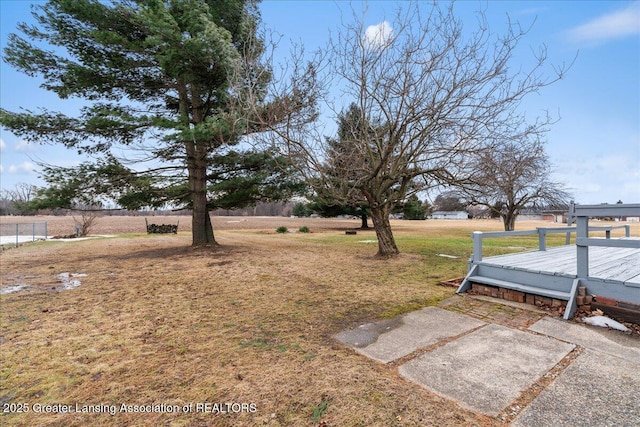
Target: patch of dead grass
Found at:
x=156, y=321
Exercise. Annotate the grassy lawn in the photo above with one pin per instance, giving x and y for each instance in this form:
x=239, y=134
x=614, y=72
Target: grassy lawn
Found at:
x=156, y=322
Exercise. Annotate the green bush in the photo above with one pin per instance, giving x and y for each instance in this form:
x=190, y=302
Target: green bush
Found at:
x=414, y=208
x=302, y=210
x=304, y=229
x=282, y=229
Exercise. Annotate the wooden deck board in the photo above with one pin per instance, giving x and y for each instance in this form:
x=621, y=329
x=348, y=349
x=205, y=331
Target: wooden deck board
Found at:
x=524, y=257
x=609, y=263
x=605, y=263
x=625, y=269
x=557, y=260
x=633, y=281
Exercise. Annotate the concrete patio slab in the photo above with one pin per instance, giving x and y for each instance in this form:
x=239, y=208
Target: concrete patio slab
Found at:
x=615, y=343
x=595, y=390
x=392, y=339
x=487, y=369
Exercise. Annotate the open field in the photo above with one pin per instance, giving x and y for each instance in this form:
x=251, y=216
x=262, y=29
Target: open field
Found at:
x=157, y=322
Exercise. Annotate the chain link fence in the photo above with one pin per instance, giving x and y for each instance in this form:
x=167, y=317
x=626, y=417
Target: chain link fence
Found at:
x=16, y=233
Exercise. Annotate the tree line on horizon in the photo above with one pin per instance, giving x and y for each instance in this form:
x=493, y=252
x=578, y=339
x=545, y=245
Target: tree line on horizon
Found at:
x=189, y=91
x=23, y=201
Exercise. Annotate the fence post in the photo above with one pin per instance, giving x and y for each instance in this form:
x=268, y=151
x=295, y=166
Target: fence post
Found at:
x=477, y=246
x=627, y=229
x=607, y=233
x=33, y=232
x=17, y=234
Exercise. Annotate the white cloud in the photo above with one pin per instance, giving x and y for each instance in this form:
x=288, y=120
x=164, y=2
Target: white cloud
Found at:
x=1, y=168
x=24, y=146
x=535, y=11
x=607, y=178
x=2, y=144
x=22, y=168
x=618, y=24
x=378, y=35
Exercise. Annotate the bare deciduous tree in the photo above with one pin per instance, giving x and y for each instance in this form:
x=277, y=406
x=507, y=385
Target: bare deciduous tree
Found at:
x=429, y=96
x=513, y=176
x=18, y=200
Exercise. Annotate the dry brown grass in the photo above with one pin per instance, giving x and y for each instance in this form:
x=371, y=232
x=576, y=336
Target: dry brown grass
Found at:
x=158, y=322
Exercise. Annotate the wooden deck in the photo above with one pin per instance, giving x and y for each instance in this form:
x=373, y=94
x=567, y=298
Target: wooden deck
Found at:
x=608, y=264
x=609, y=268
x=613, y=273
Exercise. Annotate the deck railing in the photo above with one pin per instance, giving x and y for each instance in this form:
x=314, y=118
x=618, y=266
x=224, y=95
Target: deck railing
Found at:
x=582, y=213
x=542, y=232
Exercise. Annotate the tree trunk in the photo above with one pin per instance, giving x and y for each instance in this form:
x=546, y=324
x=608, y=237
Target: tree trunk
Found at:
x=509, y=221
x=201, y=228
x=386, y=243
x=365, y=224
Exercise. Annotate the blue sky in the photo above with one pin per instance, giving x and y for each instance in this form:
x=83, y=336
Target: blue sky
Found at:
x=595, y=147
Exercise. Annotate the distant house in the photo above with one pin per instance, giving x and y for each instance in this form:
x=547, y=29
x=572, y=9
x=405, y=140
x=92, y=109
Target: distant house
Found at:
x=558, y=215
x=449, y=215
x=535, y=215
x=530, y=217
x=538, y=217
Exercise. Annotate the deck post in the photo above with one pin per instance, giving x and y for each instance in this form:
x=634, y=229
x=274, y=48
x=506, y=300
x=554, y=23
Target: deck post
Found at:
x=477, y=246
x=571, y=215
x=542, y=239
x=582, y=250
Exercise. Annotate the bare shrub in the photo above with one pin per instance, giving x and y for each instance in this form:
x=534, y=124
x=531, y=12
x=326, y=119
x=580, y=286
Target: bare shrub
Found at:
x=84, y=220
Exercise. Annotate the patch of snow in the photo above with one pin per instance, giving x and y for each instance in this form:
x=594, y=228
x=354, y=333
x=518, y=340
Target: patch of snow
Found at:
x=11, y=240
x=449, y=256
x=604, y=322
x=12, y=289
x=79, y=239
x=67, y=281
